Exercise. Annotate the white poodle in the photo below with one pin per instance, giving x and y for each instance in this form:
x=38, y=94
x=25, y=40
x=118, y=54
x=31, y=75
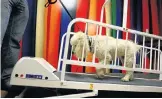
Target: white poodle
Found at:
x=108, y=44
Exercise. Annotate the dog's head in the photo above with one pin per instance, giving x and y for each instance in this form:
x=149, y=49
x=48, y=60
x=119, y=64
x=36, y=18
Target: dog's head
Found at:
x=79, y=41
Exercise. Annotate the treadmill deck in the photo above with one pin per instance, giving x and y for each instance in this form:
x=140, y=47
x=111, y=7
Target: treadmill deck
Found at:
x=140, y=79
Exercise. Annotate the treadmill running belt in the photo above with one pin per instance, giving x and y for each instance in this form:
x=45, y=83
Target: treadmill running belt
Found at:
x=115, y=80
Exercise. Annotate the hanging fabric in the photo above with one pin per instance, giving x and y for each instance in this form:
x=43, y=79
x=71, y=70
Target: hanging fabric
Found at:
x=99, y=8
x=126, y=20
x=154, y=14
x=28, y=43
x=146, y=26
x=108, y=16
x=108, y=20
x=138, y=26
x=40, y=28
x=159, y=4
x=82, y=11
x=91, y=30
x=52, y=33
x=119, y=20
x=65, y=20
x=155, y=28
x=113, y=22
x=113, y=16
x=94, y=14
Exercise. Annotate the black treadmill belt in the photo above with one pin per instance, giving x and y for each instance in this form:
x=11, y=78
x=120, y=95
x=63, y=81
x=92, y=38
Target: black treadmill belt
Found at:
x=148, y=81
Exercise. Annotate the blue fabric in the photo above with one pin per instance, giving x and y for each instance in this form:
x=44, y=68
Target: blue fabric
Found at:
x=65, y=20
x=136, y=22
x=28, y=48
x=119, y=15
x=139, y=26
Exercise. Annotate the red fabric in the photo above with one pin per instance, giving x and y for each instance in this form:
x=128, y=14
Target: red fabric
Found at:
x=128, y=25
x=146, y=24
x=145, y=11
x=160, y=17
x=48, y=30
x=82, y=11
x=154, y=13
x=147, y=63
x=99, y=8
x=155, y=20
x=20, y=53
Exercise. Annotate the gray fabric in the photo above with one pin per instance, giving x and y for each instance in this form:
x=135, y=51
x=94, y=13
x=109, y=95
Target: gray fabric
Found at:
x=115, y=80
x=14, y=17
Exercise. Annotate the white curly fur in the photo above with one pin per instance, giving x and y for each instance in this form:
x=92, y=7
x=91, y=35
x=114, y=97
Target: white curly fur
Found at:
x=108, y=43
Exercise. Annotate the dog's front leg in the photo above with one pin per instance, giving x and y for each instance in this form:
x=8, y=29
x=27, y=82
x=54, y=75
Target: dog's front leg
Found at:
x=107, y=70
x=101, y=72
x=129, y=74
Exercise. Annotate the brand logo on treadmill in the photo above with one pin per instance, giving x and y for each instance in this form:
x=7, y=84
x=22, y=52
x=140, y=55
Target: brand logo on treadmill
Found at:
x=33, y=76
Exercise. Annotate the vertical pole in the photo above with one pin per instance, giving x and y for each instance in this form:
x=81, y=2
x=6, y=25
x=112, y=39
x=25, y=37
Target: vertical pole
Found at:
x=61, y=50
x=84, y=42
x=94, y=55
x=134, y=63
x=66, y=51
x=145, y=58
x=71, y=53
x=116, y=49
x=102, y=13
x=143, y=52
x=158, y=55
x=126, y=50
x=155, y=61
x=160, y=78
x=140, y=59
x=125, y=10
x=151, y=54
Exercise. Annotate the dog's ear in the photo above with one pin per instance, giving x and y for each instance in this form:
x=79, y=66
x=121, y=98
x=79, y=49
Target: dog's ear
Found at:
x=81, y=35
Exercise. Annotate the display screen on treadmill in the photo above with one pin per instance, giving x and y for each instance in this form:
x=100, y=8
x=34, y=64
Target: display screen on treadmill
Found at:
x=34, y=76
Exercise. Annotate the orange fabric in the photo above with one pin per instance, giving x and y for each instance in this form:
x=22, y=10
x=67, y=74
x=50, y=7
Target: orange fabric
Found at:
x=91, y=30
x=52, y=34
x=94, y=14
x=45, y=31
